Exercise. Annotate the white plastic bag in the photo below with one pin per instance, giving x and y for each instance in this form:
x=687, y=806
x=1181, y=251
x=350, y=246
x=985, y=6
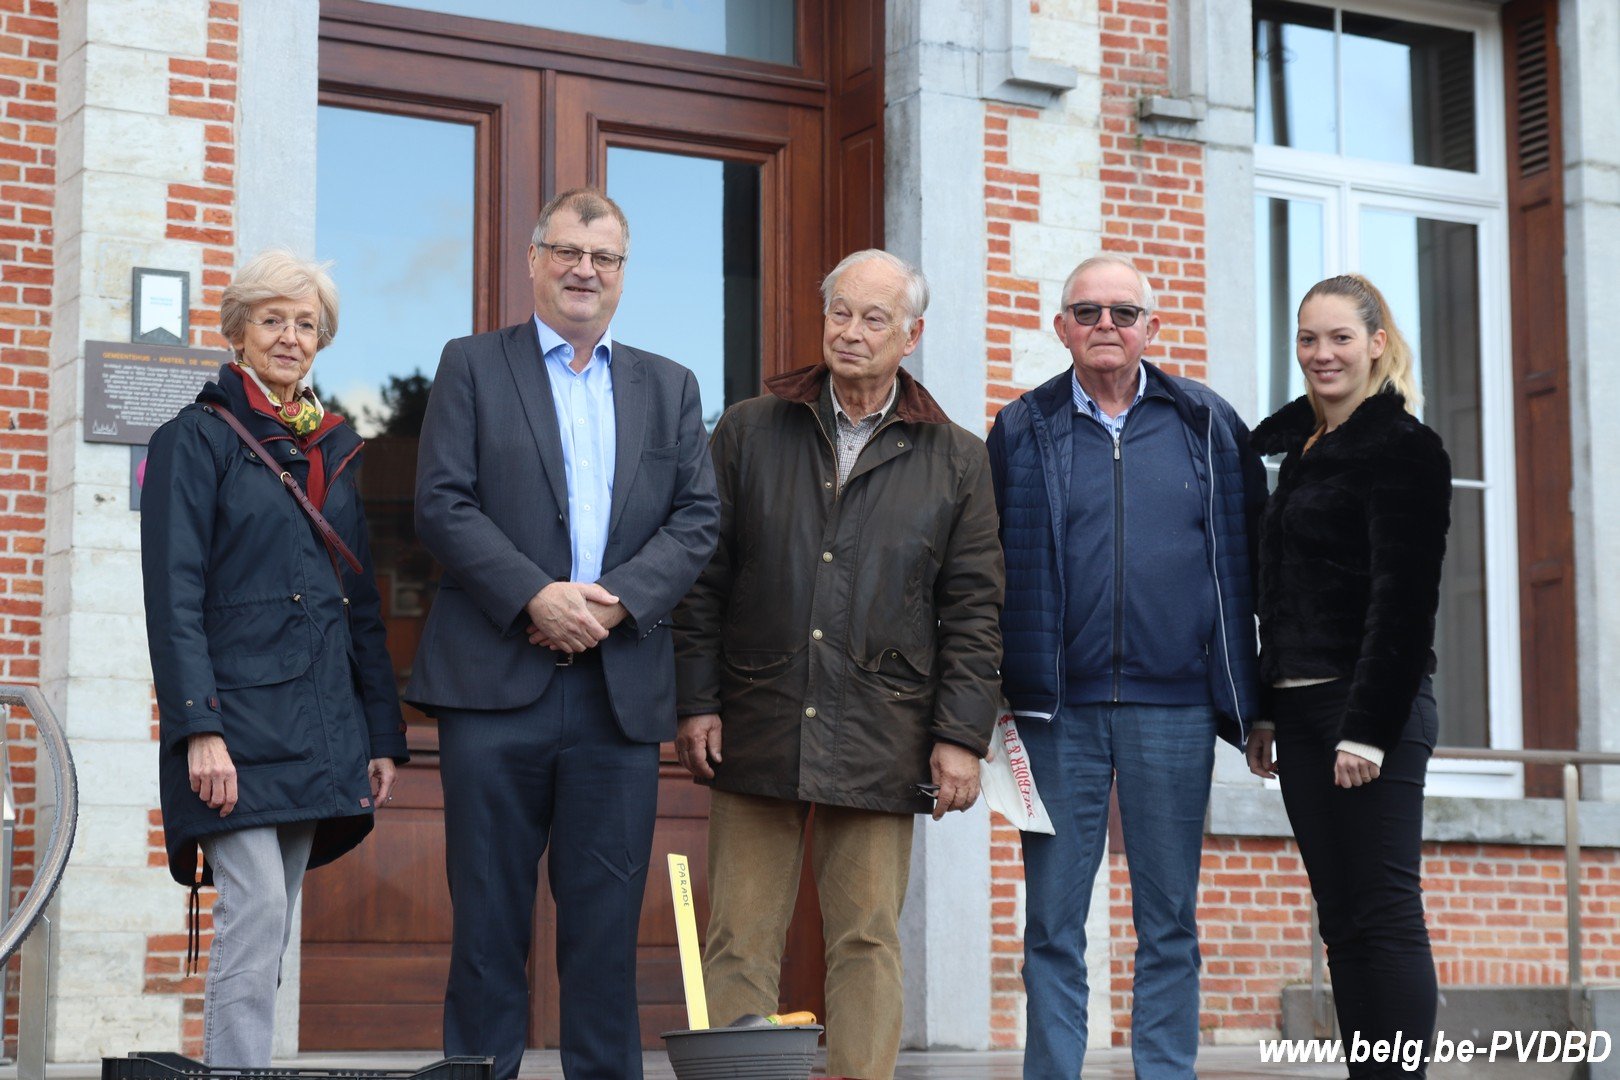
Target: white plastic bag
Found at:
x=1008, y=782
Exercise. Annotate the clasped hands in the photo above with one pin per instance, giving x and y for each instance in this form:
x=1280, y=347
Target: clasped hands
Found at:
x=572, y=616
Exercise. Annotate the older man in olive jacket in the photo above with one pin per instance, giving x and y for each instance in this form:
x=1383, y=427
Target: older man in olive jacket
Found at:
x=840, y=651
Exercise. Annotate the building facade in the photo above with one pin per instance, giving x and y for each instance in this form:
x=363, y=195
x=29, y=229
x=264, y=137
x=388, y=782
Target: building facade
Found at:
x=1463, y=153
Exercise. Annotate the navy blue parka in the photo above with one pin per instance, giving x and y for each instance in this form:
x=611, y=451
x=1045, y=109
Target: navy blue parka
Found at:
x=254, y=635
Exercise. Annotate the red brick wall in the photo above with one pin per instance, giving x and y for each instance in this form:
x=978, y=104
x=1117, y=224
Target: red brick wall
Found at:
x=28, y=53
x=202, y=89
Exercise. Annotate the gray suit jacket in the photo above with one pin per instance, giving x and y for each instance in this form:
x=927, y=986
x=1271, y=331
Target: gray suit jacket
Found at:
x=492, y=507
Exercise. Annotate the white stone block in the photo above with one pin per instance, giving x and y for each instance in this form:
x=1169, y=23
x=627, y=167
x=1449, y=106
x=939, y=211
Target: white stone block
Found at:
x=1071, y=202
x=122, y=204
x=111, y=261
x=107, y=645
x=104, y=708
x=174, y=27
x=70, y=144
x=113, y=836
x=53, y=652
x=96, y=528
x=1062, y=42
x=100, y=965
x=1051, y=148
x=133, y=80
x=1083, y=104
x=108, y=582
x=69, y=214
x=71, y=30
x=168, y=147
x=1037, y=357
x=96, y=899
x=1048, y=252
x=90, y=1028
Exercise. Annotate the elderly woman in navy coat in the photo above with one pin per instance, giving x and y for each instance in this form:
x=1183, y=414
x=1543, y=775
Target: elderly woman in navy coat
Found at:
x=279, y=723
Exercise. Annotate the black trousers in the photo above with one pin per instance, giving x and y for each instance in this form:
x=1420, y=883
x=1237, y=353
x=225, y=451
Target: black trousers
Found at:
x=558, y=774
x=1362, y=848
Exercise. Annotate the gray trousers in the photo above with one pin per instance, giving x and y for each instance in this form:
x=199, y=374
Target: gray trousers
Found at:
x=257, y=873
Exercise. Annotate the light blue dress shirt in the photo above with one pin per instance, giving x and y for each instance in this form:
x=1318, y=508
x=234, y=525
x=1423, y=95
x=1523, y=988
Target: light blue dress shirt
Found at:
x=1114, y=424
x=584, y=401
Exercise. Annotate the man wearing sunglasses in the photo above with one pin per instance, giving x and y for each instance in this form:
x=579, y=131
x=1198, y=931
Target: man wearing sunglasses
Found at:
x=564, y=483
x=1128, y=502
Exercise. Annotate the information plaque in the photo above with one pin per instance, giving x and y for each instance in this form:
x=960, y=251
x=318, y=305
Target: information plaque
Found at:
x=131, y=390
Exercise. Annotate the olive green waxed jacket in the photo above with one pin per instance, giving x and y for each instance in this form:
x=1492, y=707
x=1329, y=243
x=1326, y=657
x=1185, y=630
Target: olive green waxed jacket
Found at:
x=841, y=633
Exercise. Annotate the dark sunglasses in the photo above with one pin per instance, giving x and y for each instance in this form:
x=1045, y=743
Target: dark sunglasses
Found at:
x=1087, y=314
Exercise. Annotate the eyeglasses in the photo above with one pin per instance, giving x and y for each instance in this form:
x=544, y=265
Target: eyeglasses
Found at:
x=606, y=262
x=275, y=324
x=1088, y=314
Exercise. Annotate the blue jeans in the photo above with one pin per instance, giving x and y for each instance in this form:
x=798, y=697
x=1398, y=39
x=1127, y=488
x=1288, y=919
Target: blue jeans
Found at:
x=1162, y=756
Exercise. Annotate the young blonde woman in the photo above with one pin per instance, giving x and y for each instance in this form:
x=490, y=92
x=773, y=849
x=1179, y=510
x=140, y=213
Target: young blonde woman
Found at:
x=1351, y=544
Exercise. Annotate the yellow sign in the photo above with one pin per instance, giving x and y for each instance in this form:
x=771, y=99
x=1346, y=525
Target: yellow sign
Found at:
x=680, y=887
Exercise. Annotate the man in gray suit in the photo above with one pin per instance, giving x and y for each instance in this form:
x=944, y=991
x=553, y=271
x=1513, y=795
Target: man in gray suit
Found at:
x=565, y=484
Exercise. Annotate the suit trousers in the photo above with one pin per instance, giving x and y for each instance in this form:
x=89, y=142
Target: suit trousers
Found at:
x=258, y=873
x=557, y=775
x=861, y=860
x=1363, y=850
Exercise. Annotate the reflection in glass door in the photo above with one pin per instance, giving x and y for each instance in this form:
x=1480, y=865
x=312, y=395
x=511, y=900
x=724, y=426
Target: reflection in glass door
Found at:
x=394, y=213
x=1428, y=270
x=694, y=290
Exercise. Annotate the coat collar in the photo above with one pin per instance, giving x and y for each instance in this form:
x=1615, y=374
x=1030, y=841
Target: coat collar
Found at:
x=248, y=403
x=1286, y=430
x=912, y=403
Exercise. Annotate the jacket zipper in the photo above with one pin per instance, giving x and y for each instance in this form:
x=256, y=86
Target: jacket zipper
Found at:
x=1119, y=558
x=1215, y=573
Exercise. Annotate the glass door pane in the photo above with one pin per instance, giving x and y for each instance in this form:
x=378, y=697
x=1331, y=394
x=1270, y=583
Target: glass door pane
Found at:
x=693, y=293
x=1290, y=256
x=1428, y=270
x=402, y=252
x=755, y=29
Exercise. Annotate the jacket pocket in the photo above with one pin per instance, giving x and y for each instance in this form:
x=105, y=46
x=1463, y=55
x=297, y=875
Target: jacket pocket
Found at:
x=897, y=676
x=265, y=706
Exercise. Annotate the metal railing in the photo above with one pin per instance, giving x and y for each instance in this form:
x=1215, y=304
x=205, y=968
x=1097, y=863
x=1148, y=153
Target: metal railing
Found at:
x=29, y=925
x=1571, y=760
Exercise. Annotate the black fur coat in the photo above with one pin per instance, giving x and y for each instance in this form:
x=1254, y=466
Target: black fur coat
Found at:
x=1351, y=544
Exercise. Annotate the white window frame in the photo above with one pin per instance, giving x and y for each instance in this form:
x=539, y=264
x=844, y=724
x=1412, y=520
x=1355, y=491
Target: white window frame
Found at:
x=1343, y=186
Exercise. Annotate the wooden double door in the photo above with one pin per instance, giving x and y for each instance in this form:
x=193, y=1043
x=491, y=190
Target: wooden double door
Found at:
x=778, y=168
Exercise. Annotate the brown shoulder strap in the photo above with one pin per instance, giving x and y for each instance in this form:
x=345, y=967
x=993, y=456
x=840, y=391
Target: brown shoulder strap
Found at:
x=334, y=542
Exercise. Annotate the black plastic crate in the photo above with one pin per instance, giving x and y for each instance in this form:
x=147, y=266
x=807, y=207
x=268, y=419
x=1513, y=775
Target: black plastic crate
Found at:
x=166, y=1066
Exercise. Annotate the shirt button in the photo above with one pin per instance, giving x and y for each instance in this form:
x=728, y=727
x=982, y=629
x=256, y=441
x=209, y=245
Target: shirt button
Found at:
x=826, y=483
x=587, y=506
x=188, y=703
x=901, y=443
x=581, y=420
x=810, y=712
x=816, y=634
x=826, y=556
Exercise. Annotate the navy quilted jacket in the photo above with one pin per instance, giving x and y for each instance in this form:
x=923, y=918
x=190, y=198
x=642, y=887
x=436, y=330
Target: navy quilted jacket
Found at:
x=1029, y=462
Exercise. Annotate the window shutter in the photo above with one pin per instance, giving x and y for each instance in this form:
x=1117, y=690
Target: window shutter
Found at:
x=1540, y=382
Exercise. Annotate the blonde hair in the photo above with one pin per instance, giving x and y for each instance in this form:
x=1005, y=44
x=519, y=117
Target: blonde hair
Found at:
x=274, y=275
x=1391, y=369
